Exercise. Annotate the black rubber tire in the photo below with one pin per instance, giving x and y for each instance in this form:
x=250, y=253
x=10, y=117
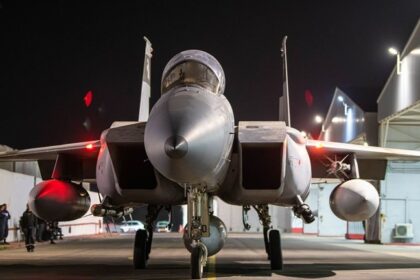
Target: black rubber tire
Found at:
x=266, y=243
x=149, y=243
x=196, y=267
x=140, y=250
x=276, y=257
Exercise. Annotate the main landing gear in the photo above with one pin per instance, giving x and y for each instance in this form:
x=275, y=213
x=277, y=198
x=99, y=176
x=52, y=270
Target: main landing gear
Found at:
x=144, y=238
x=272, y=240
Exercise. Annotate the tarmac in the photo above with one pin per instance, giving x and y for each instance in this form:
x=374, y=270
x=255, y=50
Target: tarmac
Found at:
x=243, y=257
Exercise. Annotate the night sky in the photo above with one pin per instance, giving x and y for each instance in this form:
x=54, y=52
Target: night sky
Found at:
x=52, y=54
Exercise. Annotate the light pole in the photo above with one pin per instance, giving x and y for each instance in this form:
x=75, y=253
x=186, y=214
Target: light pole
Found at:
x=394, y=51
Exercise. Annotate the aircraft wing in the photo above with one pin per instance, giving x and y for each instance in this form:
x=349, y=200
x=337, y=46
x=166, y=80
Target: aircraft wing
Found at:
x=371, y=161
x=83, y=150
x=76, y=160
x=316, y=147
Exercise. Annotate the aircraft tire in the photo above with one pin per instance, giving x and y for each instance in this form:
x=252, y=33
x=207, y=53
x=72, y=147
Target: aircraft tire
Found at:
x=197, y=256
x=140, y=251
x=276, y=258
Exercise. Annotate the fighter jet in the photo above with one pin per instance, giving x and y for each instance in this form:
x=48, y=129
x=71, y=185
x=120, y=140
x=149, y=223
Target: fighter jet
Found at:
x=188, y=150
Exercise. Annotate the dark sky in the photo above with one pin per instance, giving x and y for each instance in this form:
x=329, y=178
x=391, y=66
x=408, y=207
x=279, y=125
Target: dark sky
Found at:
x=53, y=53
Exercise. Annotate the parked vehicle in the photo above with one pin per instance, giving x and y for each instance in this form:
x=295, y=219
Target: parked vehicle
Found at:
x=131, y=226
x=163, y=226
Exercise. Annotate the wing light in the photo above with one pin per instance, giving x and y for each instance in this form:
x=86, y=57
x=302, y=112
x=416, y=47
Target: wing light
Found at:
x=319, y=145
x=88, y=98
x=89, y=147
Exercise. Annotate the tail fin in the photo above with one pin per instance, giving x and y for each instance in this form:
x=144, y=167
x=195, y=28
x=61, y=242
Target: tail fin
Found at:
x=146, y=83
x=284, y=112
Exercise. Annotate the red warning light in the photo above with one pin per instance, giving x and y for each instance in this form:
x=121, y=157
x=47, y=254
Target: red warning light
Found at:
x=88, y=98
x=89, y=147
x=309, y=98
x=319, y=145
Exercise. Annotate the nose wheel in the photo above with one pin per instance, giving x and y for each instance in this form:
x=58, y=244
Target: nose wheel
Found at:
x=198, y=261
x=198, y=227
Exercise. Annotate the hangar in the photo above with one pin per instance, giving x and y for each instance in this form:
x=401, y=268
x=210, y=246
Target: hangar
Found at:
x=395, y=125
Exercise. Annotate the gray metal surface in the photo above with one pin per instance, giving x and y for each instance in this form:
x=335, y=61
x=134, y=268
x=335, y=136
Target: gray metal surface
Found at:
x=261, y=132
x=293, y=176
x=127, y=178
x=55, y=200
x=354, y=200
x=203, y=123
x=316, y=147
x=215, y=242
x=345, y=120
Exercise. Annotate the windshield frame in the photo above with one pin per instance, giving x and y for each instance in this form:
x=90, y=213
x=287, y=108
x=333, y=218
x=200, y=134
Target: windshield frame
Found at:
x=191, y=73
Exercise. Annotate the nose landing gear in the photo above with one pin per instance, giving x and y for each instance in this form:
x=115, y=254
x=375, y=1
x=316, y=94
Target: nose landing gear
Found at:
x=198, y=261
x=198, y=227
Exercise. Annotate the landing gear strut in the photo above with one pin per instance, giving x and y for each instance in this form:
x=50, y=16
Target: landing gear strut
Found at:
x=144, y=238
x=198, y=227
x=272, y=240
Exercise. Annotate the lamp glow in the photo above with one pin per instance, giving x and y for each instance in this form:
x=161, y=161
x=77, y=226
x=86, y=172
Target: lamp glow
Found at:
x=318, y=119
x=393, y=51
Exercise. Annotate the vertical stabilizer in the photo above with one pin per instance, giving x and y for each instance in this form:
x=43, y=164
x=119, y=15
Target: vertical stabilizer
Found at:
x=146, y=83
x=284, y=106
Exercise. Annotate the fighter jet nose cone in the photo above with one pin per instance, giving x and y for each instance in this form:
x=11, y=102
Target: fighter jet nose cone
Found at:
x=176, y=147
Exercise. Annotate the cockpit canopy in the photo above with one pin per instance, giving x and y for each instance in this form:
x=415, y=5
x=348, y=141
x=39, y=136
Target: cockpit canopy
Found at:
x=194, y=67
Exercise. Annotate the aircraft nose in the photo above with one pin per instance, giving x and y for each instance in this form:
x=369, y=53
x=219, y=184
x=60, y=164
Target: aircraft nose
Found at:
x=176, y=147
x=186, y=136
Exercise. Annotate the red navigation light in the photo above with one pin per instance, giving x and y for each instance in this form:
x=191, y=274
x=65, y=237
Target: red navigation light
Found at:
x=309, y=98
x=88, y=98
x=89, y=146
x=319, y=145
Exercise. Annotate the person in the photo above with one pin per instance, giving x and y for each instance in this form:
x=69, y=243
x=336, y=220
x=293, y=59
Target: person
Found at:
x=51, y=230
x=28, y=227
x=58, y=233
x=4, y=223
x=40, y=229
